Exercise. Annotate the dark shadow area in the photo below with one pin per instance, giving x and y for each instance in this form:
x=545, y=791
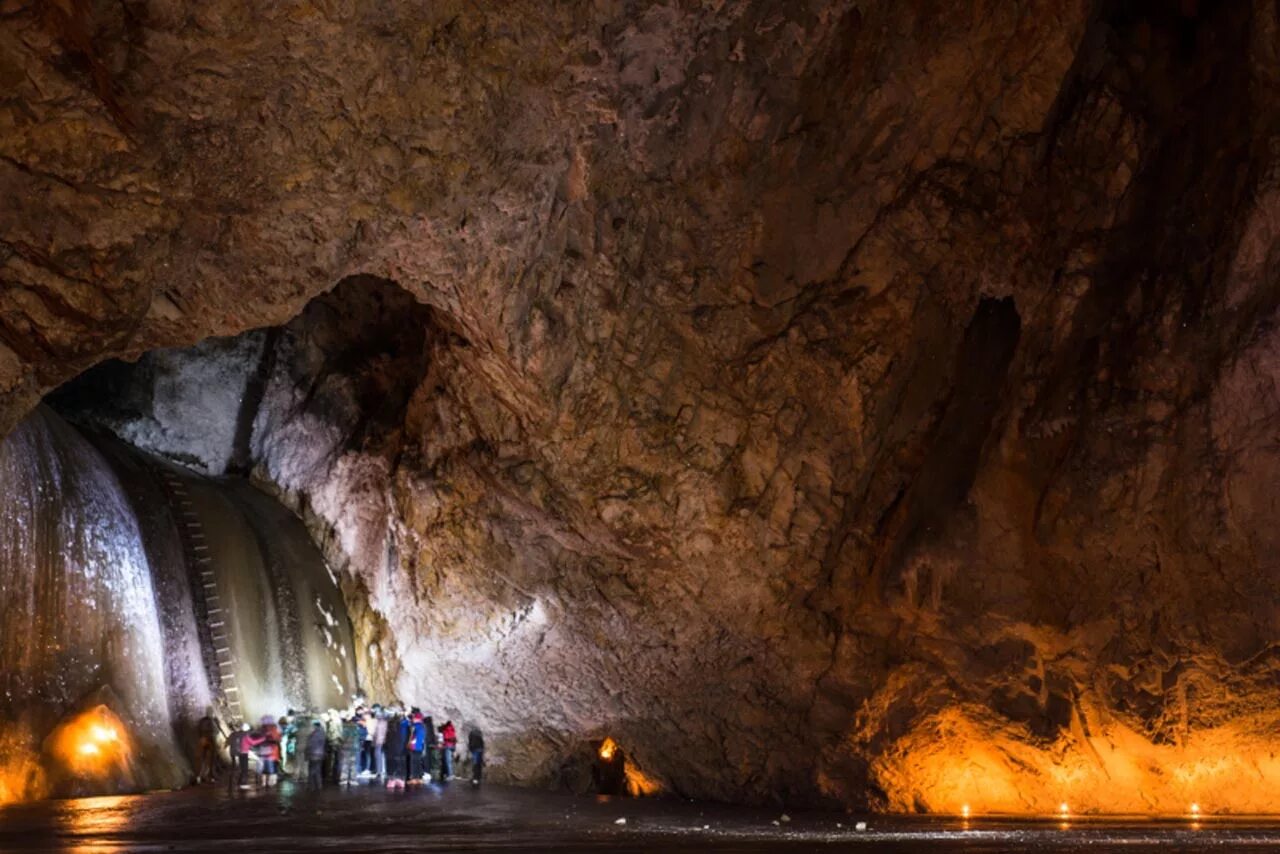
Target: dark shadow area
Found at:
x=955, y=449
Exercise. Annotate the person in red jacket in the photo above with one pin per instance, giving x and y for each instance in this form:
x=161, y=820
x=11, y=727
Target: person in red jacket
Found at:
x=448, y=743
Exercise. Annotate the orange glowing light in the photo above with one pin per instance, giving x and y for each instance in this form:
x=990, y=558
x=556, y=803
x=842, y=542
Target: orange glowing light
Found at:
x=91, y=744
x=640, y=784
x=1195, y=809
x=1062, y=808
x=21, y=777
x=964, y=810
x=1100, y=764
x=607, y=748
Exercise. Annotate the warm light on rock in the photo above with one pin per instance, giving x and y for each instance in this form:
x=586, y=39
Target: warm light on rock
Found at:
x=607, y=748
x=640, y=784
x=21, y=777
x=1100, y=768
x=91, y=745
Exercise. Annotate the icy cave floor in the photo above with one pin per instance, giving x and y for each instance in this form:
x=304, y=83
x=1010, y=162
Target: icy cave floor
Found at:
x=457, y=818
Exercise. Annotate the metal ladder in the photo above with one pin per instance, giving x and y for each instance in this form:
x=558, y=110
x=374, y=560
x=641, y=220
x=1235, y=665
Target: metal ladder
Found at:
x=211, y=617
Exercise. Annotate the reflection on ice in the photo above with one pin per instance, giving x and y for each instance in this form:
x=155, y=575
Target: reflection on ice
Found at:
x=440, y=818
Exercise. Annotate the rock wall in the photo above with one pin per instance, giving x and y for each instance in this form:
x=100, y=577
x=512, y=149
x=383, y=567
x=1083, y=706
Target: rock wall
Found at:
x=865, y=401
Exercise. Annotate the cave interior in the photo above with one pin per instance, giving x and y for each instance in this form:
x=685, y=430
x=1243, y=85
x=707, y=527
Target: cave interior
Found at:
x=848, y=404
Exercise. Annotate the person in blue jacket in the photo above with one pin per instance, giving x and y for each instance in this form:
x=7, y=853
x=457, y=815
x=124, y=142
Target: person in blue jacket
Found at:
x=417, y=744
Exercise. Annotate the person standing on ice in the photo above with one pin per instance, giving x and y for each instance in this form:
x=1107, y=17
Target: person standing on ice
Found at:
x=364, y=723
x=207, y=730
x=475, y=746
x=417, y=744
x=349, y=757
x=394, y=750
x=315, y=747
x=379, y=745
x=239, y=747
x=333, y=755
x=448, y=744
x=430, y=749
x=289, y=744
x=267, y=744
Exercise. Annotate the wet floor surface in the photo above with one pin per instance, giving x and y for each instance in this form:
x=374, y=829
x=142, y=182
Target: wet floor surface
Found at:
x=458, y=818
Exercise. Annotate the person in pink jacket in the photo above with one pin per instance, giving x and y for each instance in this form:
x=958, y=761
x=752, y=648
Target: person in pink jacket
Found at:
x=266, y=743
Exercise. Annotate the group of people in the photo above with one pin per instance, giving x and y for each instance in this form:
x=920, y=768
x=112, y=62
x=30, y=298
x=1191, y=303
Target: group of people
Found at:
x=389, y=746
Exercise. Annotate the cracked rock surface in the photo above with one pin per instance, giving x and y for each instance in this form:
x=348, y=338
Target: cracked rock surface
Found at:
x=861, y=401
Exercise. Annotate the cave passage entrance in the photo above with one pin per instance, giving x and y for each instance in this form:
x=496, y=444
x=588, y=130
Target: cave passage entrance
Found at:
x=143, y=571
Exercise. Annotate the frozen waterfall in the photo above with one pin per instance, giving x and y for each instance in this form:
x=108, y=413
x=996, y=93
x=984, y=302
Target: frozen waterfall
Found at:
x=131, y=583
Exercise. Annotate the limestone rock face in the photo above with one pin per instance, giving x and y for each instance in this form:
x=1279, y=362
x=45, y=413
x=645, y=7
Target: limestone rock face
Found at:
x=865, y=401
